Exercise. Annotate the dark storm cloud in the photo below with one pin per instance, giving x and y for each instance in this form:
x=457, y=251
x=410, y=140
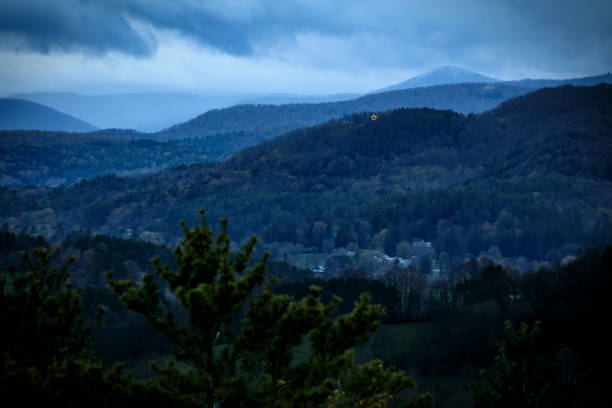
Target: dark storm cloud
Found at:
x=47, y=26
x=100, y=26
x=190, y=19
x=103, y=25
x=397, y=33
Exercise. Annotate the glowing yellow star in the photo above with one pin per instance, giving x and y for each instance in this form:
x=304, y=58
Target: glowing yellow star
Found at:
x=373, y=117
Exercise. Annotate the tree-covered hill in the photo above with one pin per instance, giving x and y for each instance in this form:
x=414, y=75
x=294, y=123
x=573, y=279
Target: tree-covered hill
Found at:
x=56, y=158
x=229, y=130
x=276, y=119
x=531, y=177
x=556, y=130
x=464, y=98
x=20, y=114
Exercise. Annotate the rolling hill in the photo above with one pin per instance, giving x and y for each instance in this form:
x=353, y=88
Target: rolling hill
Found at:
x=20, y=114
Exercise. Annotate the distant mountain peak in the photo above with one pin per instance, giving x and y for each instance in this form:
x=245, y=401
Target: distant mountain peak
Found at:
x=442, y=75
x=451, y=70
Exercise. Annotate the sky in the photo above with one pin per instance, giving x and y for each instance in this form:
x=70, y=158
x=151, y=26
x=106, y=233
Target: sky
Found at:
x=291, y=46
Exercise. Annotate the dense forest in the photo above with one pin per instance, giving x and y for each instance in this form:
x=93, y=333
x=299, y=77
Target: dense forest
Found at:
x=57, y=158
x=531, y=178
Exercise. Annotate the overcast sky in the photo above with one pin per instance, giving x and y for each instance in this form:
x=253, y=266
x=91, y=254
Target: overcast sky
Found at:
x=308, y=47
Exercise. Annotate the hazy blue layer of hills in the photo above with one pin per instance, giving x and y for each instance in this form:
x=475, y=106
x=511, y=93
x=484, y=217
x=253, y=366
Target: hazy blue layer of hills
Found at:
x=282, y=99
x=146, y=111
x=20, y=114
x=549, y=83
x=530, y=177
x=155, y=111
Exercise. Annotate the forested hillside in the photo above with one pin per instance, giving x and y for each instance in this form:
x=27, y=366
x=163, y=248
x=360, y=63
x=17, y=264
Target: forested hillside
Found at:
x=36, y=158
x=59, y=158
x=276, y=119
x=464, y=98
x=465, y=183
x=232, y=129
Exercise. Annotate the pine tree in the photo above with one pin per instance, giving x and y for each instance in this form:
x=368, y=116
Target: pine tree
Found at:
x=525, y=375
x=212, y=365
x=45, y=346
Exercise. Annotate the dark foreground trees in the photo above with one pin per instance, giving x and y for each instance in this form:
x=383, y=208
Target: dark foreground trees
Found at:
x=235, y=339
x=526, y=374
x=253, y=363
x=46, y=357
